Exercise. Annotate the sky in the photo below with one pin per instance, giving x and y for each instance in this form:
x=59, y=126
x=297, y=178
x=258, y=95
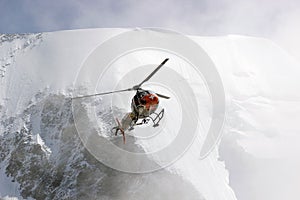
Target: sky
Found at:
x=278, y=20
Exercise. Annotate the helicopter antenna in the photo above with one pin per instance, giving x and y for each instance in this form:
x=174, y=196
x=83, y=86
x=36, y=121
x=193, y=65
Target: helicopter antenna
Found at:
x=136, y=87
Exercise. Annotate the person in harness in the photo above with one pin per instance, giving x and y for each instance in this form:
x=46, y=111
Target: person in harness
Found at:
x=143, y=104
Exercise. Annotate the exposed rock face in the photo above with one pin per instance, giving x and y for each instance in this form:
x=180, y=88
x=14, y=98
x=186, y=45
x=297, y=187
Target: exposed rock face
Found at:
x=48, y=161
x=43, y=153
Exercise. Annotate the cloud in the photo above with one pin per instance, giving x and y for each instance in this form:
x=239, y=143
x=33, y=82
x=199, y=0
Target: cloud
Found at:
x=278, y=20
x=274, y=19
x=288, y=31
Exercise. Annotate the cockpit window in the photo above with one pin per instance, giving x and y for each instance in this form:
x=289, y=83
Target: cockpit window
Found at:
x=142, y=94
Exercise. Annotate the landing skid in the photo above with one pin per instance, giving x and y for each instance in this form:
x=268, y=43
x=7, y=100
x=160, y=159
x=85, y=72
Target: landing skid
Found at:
x=156, y=119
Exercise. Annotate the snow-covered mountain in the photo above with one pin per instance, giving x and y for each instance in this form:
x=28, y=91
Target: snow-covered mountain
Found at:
x=44, y=153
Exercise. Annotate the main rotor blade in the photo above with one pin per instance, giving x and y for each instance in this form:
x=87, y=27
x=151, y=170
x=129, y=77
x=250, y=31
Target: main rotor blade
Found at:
x=157, y=68
x=136, y=87
x=162, y=96
x=103, y=93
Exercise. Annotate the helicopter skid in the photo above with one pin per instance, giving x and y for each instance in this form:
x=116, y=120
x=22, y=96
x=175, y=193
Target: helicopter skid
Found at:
x=158, y=117
x=155, y=119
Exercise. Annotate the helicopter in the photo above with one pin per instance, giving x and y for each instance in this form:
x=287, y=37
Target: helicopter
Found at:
x=143, y=106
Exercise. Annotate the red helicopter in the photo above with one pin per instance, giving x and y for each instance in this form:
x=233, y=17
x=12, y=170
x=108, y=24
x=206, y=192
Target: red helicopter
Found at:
x=143, y=106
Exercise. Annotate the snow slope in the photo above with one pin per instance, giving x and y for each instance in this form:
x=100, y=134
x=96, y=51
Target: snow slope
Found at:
x=42, y=155
x=261, y=139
